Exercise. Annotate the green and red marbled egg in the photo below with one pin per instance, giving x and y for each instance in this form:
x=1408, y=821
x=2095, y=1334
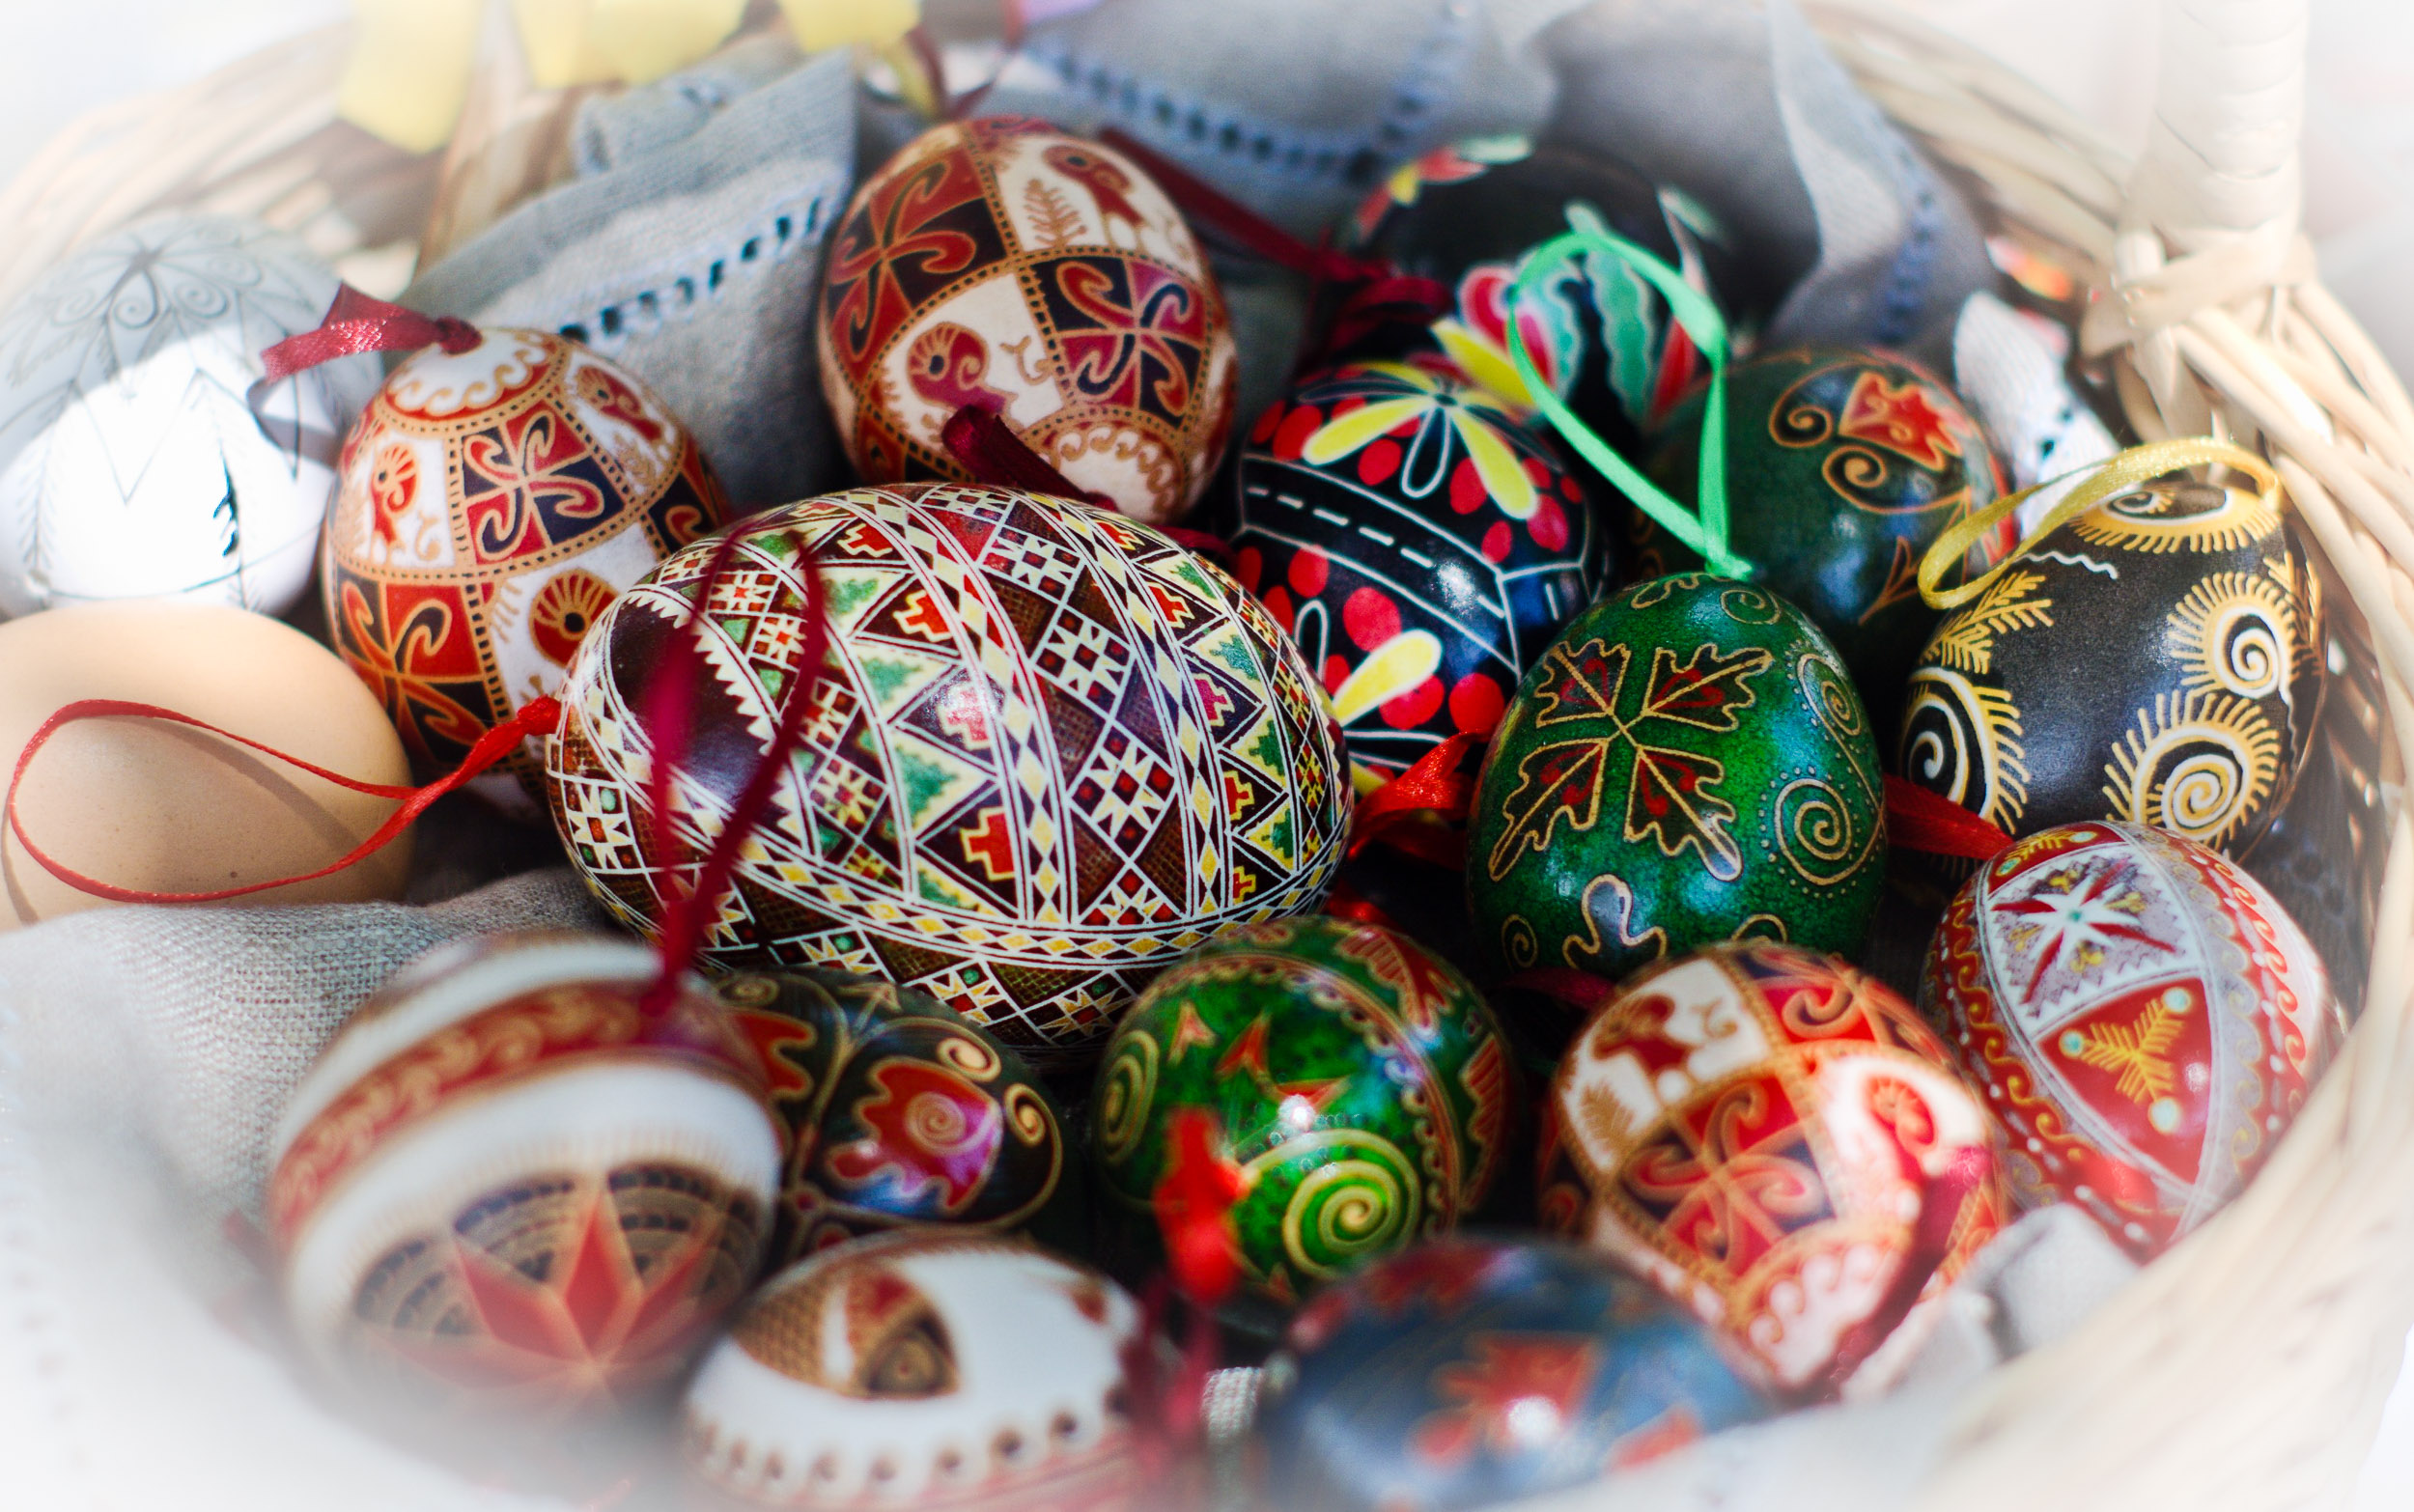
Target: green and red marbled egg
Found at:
x=1357, y=1082
x=1688, y=762
x=1843, y=468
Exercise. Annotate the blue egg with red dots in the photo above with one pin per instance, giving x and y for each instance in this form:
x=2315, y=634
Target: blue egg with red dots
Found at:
x=1470, y=1371
x=1421, y=544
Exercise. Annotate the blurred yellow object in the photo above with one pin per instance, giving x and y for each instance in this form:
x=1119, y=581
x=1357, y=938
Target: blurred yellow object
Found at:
x=409, y=70
x=411, y=59
x=820, y=24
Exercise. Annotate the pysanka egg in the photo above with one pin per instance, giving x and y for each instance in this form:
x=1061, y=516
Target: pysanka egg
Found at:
x=1419, y=543
x=493, y=502
x=1469, y=215
x=1474, y=1371
x=1843, y=468
x=1781, y=1144
x=2142, y=1017
x=999, y=262
x=131, y=463
x=899, y=1113
x=2156, y=660
x=1687, y=763
x=1051, y=753
x=924, y=1370
x=508, y=1184
x=1357, y=1082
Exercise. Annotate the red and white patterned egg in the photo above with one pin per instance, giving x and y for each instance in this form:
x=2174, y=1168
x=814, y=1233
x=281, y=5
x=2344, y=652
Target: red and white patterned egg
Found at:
x=2143, y=1018
x=491, y=502
x=999, y=262
x=1779, y=1142
x=510, y=1184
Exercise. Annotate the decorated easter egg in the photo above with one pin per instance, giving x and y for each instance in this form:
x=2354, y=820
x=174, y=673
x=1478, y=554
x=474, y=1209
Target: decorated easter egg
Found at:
x=899, y=1113
x=493, y=503
x=1687, y=763
x=1468, y=1372
x=1050, y=753
x=1843, y=468
x=1000, y=262
x=131, y=462
x=2156, y=660
x=925, y=1369
x=1468, y=215
x=1780, y=1143
x=1357, y=1083
x=2140, y=1015
x=509, y=1183
x=1419, y=543
x=153, y=806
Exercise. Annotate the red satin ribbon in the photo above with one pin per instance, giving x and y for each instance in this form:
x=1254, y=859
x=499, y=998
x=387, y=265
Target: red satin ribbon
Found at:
x=1942, y=1197
x=1394, y=297
x=1346, y=901
x=537, y=716
x=1919, y=820
x=667, y=715
x=357, y=324
x=1580, y=991
x=1232, y=221
x=1421, y=810
x=1193, y=1203
x=980, y=438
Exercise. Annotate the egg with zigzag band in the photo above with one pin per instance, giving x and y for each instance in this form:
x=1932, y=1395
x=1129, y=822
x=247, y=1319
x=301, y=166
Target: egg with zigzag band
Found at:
x=2155, y=660
x=1688, y=762
x=1420, y=544
x=1356, y=1081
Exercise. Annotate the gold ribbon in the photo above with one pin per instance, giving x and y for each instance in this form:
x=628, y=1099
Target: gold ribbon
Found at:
x=2127, y=470
x=412, y=60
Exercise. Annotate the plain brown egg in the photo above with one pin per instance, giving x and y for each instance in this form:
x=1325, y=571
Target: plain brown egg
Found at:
x=160, y=807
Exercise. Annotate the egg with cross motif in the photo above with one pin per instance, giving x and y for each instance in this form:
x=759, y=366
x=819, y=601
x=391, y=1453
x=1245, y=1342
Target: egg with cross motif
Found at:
x=999, y=262
x=1420, y=542
x=2142, y=1017
x=490, y=505
x=1048, y=753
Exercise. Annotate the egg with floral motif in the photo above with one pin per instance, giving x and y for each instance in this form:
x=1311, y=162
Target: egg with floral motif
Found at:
x=2142, y=1017
x=1420, y=542
x=1781, y=1144
x=490, y=505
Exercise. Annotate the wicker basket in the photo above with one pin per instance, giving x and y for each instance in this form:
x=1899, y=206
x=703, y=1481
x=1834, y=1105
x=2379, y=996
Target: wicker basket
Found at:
x=2249, y=1367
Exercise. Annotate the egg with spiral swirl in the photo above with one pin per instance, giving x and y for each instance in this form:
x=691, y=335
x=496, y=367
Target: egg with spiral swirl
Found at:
x=1357, y=1082
x=2155, y=660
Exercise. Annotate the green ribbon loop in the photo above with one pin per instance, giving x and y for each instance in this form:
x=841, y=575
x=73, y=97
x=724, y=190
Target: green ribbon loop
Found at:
x=1704, y=531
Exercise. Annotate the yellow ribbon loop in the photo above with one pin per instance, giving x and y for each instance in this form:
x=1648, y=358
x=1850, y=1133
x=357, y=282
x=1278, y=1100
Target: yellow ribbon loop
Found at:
x=2117, y=474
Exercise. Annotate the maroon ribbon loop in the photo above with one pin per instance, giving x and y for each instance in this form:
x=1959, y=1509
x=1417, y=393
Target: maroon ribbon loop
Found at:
x=1226, y=219
x=357, y=324
x=979, y=438
x=1919, y=820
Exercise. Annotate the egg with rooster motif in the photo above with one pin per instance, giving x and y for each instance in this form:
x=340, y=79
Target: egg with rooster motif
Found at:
x=998, y=262
x=1781, y=1145
x=490, y=503
x=1420, y=542
x=2143, y=1018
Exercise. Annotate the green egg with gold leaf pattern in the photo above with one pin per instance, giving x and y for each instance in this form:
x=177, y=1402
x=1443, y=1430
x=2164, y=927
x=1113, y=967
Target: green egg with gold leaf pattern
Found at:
x=1356, y=1081
x=1688, y=762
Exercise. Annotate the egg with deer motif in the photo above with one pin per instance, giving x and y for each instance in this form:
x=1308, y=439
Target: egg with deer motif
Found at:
x=1048, y=753
x=900, y=1112
x=515, y=1182
x=2156, y=660
x=2142, y=1017
x=1420, y=542
x=999, y=262
x=491, y=504
x=1358, y=1083
x=1781, y=1145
